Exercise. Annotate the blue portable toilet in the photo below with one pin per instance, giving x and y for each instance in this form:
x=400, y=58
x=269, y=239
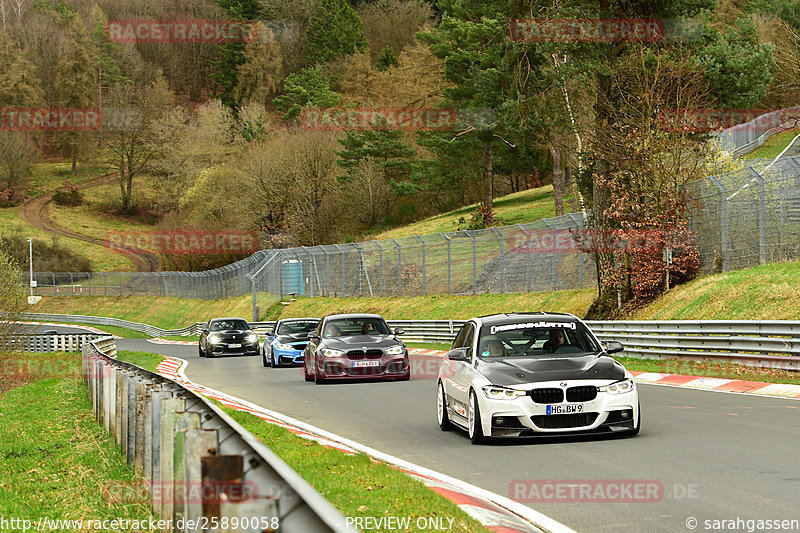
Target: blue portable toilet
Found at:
x=293, y=277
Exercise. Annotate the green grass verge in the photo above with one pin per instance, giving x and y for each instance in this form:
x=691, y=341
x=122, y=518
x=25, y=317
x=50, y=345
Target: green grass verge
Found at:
x=372, y=489
x=166, y=313
x=516, y=208
x=767, y=292
x=773, y=145
x=56, y=461
x=439, y=307
x=148, y=361
x=710, y=369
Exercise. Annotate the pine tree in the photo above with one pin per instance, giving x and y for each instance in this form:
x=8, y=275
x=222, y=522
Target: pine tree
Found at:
x=334, y=31
x=387, y=59
x=307, y=88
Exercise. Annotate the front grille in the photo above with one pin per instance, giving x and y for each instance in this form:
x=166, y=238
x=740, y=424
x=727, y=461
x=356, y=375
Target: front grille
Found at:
x=547, y=395
x=584, y=393
x=356, y=354
x=574, y=420
x=374, y=354
x=299, y=347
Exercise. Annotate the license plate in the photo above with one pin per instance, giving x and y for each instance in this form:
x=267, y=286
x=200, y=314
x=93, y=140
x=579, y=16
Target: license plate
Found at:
x=564, y=409
x=234, y=346
x=357, y=364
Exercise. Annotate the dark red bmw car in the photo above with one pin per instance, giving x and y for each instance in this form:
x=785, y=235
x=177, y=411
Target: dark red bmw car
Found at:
x=355, y=346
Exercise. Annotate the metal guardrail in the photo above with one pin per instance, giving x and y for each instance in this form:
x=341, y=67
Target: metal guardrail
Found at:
x=198, y=462
x=71, y=342
x=770, y=343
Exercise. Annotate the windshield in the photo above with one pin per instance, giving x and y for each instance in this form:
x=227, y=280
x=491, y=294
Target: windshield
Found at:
x=220, y=325
x=540, y=339
x=350, y=327
x=295, y=327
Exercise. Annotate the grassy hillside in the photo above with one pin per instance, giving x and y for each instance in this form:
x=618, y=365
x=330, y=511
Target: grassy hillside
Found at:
x=167, y=313
x=768, y=292
x=774, y=145
x=445, y=307
x=516, y=208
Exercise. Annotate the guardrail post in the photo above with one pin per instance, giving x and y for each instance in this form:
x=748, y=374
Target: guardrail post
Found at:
x=120, y=413
x=105, y=283
x=199, y=444
x=164, y=497
x=130, y=426
x=184, y=422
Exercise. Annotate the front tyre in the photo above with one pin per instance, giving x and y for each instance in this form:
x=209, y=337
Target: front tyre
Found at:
x=441, y=410
x=264, y=358
x=200, y=350
x=475, y=427
x=306, y=376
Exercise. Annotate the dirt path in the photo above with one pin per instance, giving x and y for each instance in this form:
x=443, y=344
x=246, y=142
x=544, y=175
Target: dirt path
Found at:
x=35, y=212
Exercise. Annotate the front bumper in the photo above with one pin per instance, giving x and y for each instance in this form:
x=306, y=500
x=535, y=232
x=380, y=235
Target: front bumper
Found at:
x=244, y=349
x=520, y=417
x=387, y=367
x=288, y=357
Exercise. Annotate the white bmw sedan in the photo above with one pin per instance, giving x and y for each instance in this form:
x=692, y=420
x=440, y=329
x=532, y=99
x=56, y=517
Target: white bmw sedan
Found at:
x=524, y=374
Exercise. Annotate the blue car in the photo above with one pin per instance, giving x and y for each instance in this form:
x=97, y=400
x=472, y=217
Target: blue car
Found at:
x=285, y=345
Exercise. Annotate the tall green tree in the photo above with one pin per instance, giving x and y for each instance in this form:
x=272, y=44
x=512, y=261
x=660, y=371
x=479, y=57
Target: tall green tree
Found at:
x=306, y=88
x=76, y=77
x=334, y=31
x=231, y=55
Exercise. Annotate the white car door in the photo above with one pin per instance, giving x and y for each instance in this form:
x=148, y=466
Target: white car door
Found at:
x=461, y=372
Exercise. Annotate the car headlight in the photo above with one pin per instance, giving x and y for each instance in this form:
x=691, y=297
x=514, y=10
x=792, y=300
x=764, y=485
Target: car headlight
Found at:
x=502, y=393
x=328, y=352
x=395, y=350
x=282, y=346
x=251, y=337
x=618, y=387
x=213, y=338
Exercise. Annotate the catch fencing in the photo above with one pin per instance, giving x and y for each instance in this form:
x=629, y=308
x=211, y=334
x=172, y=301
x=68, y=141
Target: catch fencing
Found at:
x=747, y=217
x=198, y=464
x=538, y=256
x=746, y=137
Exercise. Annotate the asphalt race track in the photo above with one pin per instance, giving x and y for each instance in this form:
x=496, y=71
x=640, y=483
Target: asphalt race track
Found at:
x=718, y=456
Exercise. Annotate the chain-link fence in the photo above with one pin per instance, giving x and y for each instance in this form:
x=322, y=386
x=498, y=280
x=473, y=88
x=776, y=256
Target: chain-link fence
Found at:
x=746, y=137
x=539, y=256
x=747, y=217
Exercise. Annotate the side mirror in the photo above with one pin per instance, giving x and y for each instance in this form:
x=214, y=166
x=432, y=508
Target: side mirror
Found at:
x=399, y=331
x=459, y=354
x=312, y=336
x=614, y=347
x=204, y=330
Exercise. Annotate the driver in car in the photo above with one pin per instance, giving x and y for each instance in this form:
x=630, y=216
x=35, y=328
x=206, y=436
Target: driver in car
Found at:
x=556, y=339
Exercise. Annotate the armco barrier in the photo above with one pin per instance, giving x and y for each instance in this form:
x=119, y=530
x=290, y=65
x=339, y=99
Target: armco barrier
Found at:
x=71, y=342
x=770, y=343
x=198, y=463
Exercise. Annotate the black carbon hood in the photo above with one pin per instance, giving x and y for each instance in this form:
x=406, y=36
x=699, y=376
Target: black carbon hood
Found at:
x=518, y=370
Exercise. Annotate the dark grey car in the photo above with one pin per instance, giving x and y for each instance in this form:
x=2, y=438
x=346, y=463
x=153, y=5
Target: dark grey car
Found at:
x=227, y=336
x=355, y=346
